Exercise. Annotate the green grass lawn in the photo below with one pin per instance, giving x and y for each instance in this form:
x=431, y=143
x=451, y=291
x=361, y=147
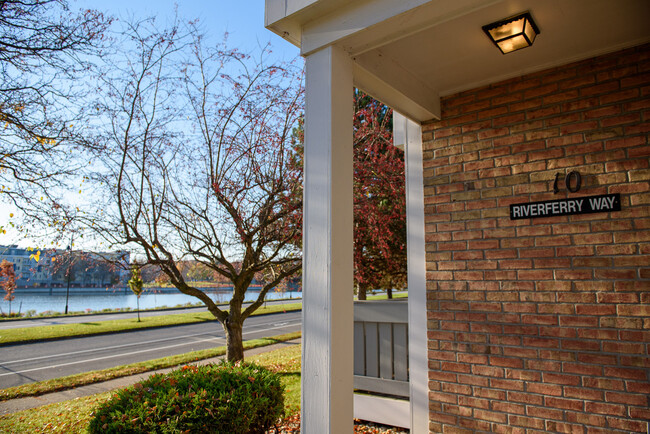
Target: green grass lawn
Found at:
x=25, y=334
x=75, y=415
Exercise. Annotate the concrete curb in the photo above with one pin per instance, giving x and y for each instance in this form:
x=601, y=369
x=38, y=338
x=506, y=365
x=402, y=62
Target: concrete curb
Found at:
x=19, y=404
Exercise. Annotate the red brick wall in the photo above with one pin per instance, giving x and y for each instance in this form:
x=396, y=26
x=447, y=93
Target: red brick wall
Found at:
x=541, y=324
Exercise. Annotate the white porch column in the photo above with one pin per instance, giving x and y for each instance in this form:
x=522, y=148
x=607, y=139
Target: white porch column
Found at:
x=408, y=133
x=327, y=312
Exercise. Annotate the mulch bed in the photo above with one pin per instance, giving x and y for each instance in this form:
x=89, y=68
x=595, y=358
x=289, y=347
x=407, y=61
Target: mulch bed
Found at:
x=291, y=425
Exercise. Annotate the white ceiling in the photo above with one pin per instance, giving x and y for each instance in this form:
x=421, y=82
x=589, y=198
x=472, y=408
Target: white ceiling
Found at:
x=457, y=55
x=440, y=46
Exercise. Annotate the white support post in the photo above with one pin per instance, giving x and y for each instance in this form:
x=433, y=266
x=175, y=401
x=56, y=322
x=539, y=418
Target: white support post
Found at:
x=408, y=133
x=327, y=313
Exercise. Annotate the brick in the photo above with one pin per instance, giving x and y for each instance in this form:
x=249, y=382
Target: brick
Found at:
x=559, y=240
x=558, y=332
x=574, y=297
x=443, y=418
x=470, y=401
x=601, y=238
x=603, y=383
x=544, y=413
x=623, y=347
x=604, y=408
x=581, y=345
x=634, y=310
x=598, y=334
x=640, y=413
x=639, y=336
x=627, y=424
x=519, y=307
x=626, y=398
x=573, y=274
x=578, y=321
x=579, y=368
x=535, y=275
x=593, y=263
x=489, y=393
x=622, y=323
x=561, y=378
x=528, y=422
x=586, y=419
x=507, y=362
x=597, y=309
x=565, y=404
x=526, y=398
x=617, y=249
x=627, y=373
x=508, y=407
x=563, y=427
x=473, y=380
x=583, y=393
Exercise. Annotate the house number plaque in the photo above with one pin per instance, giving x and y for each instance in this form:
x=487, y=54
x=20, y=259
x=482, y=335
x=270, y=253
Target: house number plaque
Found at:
x=569, y=206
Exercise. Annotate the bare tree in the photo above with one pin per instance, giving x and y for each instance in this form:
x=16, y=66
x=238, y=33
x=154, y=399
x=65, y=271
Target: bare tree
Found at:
x=197, y=166
x=44, y=48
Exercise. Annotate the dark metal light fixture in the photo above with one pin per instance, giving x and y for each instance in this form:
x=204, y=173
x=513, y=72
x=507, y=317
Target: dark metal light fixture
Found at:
x=514, y=33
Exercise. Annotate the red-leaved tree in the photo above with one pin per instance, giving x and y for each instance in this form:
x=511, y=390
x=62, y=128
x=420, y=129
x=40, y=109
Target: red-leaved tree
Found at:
x=8, y=281
x=379, y=200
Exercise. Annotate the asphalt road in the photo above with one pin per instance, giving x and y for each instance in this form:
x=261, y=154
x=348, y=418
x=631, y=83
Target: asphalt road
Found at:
x=31, y=362
x=37, y=321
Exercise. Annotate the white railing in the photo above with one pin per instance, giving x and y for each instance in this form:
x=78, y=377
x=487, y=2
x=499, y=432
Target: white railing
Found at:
x=381, y=371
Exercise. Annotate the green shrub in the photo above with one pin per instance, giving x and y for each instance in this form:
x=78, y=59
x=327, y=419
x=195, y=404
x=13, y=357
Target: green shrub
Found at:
x=225, y=398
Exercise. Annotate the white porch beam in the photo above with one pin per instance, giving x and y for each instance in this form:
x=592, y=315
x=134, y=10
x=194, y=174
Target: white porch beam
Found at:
x=405, y=93
x=409, y=133
x=328, y=320
x=363, y=25
x=354, y=17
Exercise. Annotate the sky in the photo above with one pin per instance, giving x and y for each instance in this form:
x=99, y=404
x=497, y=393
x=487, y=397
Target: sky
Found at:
x=242, y=19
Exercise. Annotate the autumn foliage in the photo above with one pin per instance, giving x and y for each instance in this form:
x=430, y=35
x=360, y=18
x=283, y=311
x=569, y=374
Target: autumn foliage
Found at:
x=8, y=279
x=379, y=199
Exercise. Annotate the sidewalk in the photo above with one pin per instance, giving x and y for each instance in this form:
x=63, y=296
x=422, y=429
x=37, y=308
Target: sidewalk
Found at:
x=19, y=404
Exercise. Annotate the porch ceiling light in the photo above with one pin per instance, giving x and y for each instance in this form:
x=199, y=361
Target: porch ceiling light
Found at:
x=514, y=33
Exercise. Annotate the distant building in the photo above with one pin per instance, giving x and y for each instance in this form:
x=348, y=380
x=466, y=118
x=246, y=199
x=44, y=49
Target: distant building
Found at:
x=51, y=270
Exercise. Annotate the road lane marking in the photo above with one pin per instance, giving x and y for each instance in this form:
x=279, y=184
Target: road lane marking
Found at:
x=153, y=341
x=118, y=355
x=97, y=359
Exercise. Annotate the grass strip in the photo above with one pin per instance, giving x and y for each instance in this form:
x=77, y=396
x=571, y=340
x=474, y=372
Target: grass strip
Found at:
x=401, y=294
x=71, y=381
x=73, y=416
x=59, y=331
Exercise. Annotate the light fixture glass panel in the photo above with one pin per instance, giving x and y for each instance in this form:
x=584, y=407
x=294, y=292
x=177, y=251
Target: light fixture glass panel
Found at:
x=530, y=32
x=508, y=29
x=512, y=44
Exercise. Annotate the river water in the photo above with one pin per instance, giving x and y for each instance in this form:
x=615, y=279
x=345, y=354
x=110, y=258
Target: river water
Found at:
x=96, y=300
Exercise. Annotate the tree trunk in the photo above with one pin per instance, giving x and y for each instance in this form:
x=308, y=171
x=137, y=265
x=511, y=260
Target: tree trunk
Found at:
x=234, y=341
x=362, y=291
x=389, y=293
